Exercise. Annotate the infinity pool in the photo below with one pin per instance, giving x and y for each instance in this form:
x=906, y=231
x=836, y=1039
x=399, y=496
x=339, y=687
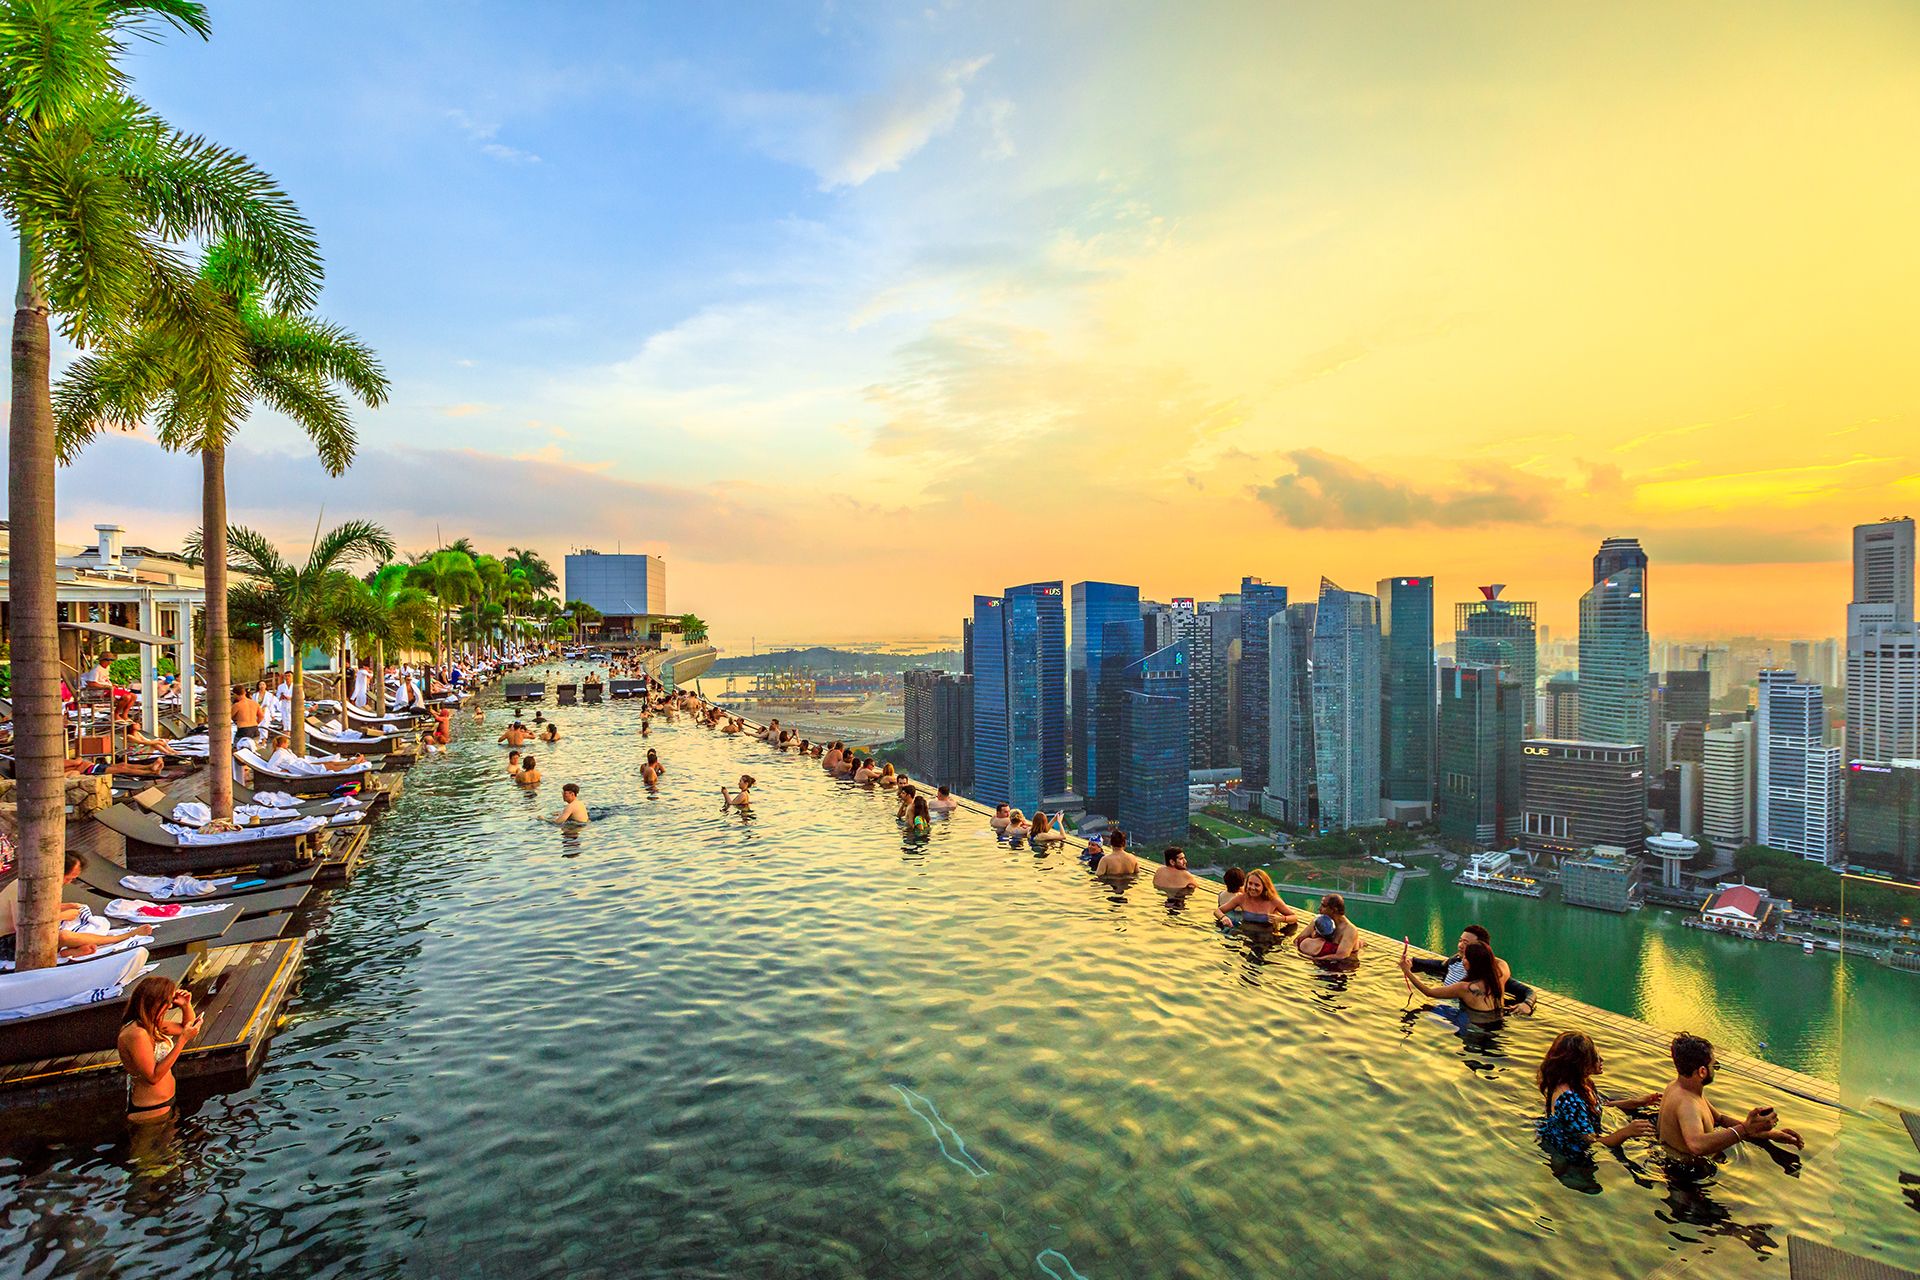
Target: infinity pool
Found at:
x=793, y=1043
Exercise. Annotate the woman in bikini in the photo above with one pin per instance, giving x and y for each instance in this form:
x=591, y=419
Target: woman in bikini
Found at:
x=160, y=1023
x=1481, y=994
x=1257, y=902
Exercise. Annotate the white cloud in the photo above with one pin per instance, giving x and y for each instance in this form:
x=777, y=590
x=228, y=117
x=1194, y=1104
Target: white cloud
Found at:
x=486, y=133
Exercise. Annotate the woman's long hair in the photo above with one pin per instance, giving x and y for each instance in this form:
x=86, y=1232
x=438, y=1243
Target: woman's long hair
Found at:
x=1482, y=969
x=1573, y=1061
x=149, y=1002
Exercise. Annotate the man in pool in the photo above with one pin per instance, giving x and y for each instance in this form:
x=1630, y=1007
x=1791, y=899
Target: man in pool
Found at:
x=513, y=764
x=1331, y=936
x=1690, y=1126
x=1173, y=876
x=516, y=735
x=1454, y=969
x=529, y=775
x=943, y=802
x=573, y=813
x=1117, y=860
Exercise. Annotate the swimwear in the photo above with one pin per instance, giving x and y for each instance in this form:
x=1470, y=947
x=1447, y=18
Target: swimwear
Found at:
x=1572, y=1120
x=162, y=1046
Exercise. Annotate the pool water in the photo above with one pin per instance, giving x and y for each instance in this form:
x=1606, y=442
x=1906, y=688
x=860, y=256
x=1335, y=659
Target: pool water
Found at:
x=689, y=1041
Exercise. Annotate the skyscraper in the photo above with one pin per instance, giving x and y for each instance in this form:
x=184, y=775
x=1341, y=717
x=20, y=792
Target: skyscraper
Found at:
x=1290, y=769
x=1050, y=640
x=1726, y=808
x=1407, y=714
x=1798, y=808
x=1019, y=696
x=939, y=728
x=1206, y=683
x=1259, y=601
x=1500, y=633
x=1480, y=736
x=1582, y=794
x=1614, y=673
x=1883, y=817
x=1107, y=634
x=1883, y=646
x=1346, y=707
x=1562, y=699
x=1153, y=777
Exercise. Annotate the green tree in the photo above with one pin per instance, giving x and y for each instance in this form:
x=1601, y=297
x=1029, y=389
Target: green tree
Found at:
x=99, y=193
x=307, y=601
x=692, y=629
x=197, y=397
x=584, y=615
x=453, y=581
x=399, y=614
x=539, y=574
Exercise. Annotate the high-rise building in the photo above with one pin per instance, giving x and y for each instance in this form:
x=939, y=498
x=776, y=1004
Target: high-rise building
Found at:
x=1614, y=670
x=1206, y=686
x=1259, y=601
x=1225, y=613
x=1290, y=767
x=966, y=646
x=1346, y=707
x=1883, y=565
x=939, y=728
x=1500, y=632
x=1019, y=696
x=1153, y=779
x=1480, y=735
x=1156, y=627
x=1050, y=622
x=1686, y=706
x=1883, y=817
x=1583, y=794
x=1106, y=640
x=1726, y=807
x=1560, y=715
x=1883, y=646
x=1797, y=808
x=1407, y=712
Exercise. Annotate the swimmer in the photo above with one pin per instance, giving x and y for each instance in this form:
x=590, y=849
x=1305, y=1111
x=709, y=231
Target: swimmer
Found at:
x=516, y=735
x=479, y=714
x=922, y=821
x=739, y=799
x=1257, y=903
x=906, y=795
x=653, y=761
x=1017, y=825
x=1481, y=994
x=1117, y=861
x=552, y=734
x=1572, y=1122
x=1690, y=1126
x=942, y=801
x=1453, y=969
x=160, y=1023
x=1044, y=832
x=1172, y=876
x=529, y=775
x=1333, y=936
x=886, y=776
x=1234, y=878
x=574, y=813
x=865, y=772
x=513, y=764
x=1002, y=815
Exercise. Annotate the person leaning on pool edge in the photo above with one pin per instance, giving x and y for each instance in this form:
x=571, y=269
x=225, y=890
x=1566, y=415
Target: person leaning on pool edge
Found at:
x=1690, y=1126
x=1332, y=936
x=1520, y=999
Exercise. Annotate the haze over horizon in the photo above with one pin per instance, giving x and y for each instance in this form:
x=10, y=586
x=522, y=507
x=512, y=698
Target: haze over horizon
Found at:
x=852, y=311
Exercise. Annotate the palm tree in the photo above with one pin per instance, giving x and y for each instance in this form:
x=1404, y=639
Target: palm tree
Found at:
x=98, y=192
x=305, y=600
x=288, y=361
x=407, y=611
x=451, y=577
x=692, y=629
x=584, y=614
x=539, y=574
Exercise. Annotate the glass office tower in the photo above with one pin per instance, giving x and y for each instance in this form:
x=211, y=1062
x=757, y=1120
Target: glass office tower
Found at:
x=1480, y=736
x=1015, y=702
x=1107, y=639
x=1050, y=676
x=1259, y=601
x=1153, y=773
x=1614, y=656
x=1500, y=632
x=1407, y=710
x=1346, y=707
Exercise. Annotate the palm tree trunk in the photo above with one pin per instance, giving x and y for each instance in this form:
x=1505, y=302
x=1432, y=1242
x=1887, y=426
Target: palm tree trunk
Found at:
x=379, y=677
x=297, y=713
x=213, y=538
x=39, y=720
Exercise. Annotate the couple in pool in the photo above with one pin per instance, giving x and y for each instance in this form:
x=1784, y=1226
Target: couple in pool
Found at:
x=1250, y=898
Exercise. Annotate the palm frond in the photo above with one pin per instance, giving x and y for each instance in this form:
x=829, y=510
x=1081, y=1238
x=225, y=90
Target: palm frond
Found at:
x=346, y=543
x=316, y=408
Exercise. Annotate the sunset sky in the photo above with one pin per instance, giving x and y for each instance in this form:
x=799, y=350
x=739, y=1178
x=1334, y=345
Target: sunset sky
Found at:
x=851, y=311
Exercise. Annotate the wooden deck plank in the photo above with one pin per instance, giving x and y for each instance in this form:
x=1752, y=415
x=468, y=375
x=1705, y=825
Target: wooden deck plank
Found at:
x=1807, y=1260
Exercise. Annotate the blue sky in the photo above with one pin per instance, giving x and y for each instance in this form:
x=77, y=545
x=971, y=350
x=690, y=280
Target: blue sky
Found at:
x=852, y=310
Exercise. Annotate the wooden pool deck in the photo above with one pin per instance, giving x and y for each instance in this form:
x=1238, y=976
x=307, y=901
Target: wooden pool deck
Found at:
x=250, y=984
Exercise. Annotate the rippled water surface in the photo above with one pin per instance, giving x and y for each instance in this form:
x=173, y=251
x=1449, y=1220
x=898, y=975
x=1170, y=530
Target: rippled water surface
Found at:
x=793, y=1043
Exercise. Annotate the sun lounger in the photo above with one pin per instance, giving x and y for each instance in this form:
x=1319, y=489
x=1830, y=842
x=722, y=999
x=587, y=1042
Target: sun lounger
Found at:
x=249, y=886
x=592, y=692
x=566, y=694
x=320, y=782
x=355, y=742
x=153, y=849
x=99, y=989
x=526, y=690
x=170, y=937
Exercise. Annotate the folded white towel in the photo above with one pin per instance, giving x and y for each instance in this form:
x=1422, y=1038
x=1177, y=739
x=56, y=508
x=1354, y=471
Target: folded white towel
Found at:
x=147, y=913
x=344, y=819
x=263, y=812
x=275, y=800
x=174, y=886
x=191, y=813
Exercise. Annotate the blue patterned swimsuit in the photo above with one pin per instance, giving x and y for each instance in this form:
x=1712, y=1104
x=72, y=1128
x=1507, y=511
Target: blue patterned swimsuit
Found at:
x=1571, y=1122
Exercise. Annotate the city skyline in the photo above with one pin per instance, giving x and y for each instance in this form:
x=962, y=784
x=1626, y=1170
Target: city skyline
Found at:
x=1302, y=293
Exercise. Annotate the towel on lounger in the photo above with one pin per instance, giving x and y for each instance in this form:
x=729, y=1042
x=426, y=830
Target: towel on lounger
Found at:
x=191, y=813
x=278, y=831
x=156, y=912
x=174, y=886
x=275, y=800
